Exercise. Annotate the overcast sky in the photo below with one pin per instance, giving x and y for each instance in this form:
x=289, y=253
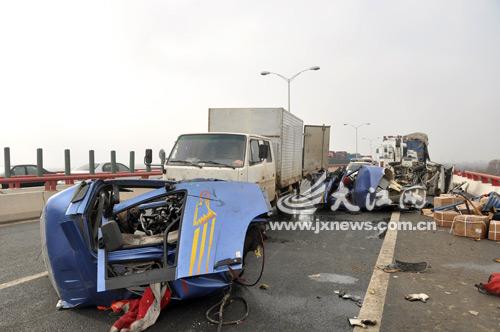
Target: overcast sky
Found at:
x=129, y=75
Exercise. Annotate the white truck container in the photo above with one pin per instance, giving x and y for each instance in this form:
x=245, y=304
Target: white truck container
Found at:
x=316, y=147
x=283, y=128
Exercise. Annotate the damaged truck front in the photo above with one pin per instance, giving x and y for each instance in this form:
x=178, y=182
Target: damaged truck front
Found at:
x=103, y=239
x=408, y=158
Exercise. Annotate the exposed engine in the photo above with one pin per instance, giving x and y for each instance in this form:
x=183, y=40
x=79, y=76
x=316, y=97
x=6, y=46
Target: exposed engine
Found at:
x=151, y=218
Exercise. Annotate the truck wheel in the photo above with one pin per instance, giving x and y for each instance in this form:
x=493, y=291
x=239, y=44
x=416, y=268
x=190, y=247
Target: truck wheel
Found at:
x=253, y=257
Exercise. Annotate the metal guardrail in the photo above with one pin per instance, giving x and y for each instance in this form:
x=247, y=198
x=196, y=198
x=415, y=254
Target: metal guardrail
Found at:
x=51, y=180
x=476, y=176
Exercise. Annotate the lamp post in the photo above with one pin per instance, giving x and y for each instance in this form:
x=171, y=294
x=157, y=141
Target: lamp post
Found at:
x=289, y=79
x=356, y=128
x=371, y=140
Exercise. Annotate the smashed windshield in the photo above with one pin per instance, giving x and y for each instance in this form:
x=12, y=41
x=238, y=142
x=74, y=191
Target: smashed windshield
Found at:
x=209, y=150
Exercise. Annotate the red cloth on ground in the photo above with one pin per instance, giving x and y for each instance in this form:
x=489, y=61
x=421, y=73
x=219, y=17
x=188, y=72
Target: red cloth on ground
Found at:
x=139, y=308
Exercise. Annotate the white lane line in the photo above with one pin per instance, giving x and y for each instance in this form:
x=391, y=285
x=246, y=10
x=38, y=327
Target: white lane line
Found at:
x=23, y=280
x=373, y=303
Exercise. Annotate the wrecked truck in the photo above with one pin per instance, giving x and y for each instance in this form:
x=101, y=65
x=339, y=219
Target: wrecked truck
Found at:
x=408, y=158
x=101, y=240
x=366, y=187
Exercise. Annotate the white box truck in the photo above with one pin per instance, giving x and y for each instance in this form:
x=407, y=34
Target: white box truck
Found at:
x=260, y=145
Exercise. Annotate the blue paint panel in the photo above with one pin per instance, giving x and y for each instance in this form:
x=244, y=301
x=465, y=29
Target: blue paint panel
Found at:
x=368, y=177
x=80, y=206
x=71, y=265
x=235, y=205
x=74, y=268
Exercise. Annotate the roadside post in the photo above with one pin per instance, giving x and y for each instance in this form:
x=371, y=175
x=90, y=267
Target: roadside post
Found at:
x=131, y=165
x=91, y=162
x=6, y=159
x=67, y=162
x=39, y=162
x=113, y=161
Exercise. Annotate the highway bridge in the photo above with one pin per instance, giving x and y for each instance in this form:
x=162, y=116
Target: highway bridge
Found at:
x=304, y=273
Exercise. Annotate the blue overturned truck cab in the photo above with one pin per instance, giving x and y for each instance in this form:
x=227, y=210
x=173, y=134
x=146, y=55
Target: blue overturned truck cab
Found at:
x=101, y=238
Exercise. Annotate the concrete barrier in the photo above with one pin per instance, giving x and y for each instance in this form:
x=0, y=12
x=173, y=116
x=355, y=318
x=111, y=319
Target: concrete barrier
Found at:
x=475, y=187
x=27, y=203
x=22, y=205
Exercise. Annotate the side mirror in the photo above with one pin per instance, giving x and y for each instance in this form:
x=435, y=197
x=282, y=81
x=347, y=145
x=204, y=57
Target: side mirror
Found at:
x=263, y=151
x=162, y=156
x=148, y=157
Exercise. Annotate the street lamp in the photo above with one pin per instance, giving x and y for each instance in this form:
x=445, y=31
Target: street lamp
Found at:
x=356, y=128
x=371, y=140
x=288, y=79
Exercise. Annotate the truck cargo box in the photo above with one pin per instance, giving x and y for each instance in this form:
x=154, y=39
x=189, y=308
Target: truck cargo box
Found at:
x=284, y=129
x=316, y=147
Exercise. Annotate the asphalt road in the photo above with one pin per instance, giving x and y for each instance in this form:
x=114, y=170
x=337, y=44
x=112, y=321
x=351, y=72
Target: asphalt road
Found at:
x=457, y=263
x=344, y=260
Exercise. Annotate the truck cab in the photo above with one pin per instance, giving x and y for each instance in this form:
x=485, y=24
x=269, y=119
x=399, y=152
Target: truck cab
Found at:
x=224, y=156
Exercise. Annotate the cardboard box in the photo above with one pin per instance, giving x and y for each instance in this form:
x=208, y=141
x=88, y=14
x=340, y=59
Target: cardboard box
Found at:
x=445, y=218
x=469, y=225
x=494, y=232
x=447, y=199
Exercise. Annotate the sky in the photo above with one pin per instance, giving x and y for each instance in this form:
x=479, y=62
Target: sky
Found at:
x=130, y=75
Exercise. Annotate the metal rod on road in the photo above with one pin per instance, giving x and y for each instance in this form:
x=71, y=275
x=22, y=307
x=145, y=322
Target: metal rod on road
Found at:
x=67, y=162
x=91, y=162
x=113, y=161
x=6, y=159
x=132, y=162
x=39, y=162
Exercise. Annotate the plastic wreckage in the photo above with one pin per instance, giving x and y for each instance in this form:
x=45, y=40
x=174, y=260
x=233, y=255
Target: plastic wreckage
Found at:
x=405, y=177
x=186, y=240
x=365, y=188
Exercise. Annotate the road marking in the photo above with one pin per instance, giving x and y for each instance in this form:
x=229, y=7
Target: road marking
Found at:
x=373, y=303
x=19, y=222
x=23, y=280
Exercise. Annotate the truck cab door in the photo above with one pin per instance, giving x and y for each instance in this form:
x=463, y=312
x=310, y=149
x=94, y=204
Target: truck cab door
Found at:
x=260, y=171
x=269, y=172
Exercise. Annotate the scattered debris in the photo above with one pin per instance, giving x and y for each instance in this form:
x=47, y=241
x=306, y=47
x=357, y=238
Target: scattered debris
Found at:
x=474, y=313
x=417, y=297
x=492, y=287
x=497, y=260
x=400, y=266
x=447, y=293
x=332, y=277
x=346, y=296
x=264, y=286
x=362, y=322
x=427, y=212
